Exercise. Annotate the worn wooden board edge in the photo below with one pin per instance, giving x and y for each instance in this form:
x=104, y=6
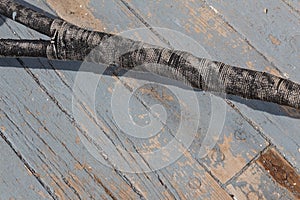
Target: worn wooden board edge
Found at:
x=294, y=4
x=17, y=181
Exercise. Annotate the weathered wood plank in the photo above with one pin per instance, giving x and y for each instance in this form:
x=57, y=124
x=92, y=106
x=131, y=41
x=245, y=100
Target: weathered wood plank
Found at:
x=46, y=138
x=68, y=174
x=275, y=33
x=16, y=180
x=237, y=146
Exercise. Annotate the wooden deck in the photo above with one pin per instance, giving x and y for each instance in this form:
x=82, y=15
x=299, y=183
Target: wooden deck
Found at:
x=48, y=115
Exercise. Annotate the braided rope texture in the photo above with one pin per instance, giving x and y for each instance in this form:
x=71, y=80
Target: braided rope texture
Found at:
x=74, y=43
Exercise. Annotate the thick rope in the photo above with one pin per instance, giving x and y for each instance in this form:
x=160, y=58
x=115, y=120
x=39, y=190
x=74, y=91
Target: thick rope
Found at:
x=26, y=16
x=74, y=43
x=70, y=42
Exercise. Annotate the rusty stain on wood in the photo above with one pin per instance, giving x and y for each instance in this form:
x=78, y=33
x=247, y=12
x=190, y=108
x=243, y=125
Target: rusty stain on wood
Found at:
x=255, y=183
x=282, y=172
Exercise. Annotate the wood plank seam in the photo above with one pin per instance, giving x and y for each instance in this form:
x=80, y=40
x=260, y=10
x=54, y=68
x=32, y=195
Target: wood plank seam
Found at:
x=245, y=39
x=26, y=164
x=212, y=175
x=249, y=121
x=253, y=160
x=289, y=5
x=72, y=120
x=69, y=116
x=143, y=21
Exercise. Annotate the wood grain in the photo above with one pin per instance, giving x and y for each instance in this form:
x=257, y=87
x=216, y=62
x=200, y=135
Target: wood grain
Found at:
x=294, y=4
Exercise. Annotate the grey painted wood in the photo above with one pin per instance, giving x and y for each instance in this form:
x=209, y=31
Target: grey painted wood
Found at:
x=275, y=34
x=294, y=4
x=47, y=136
x=17, y=181
x=205, y=24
